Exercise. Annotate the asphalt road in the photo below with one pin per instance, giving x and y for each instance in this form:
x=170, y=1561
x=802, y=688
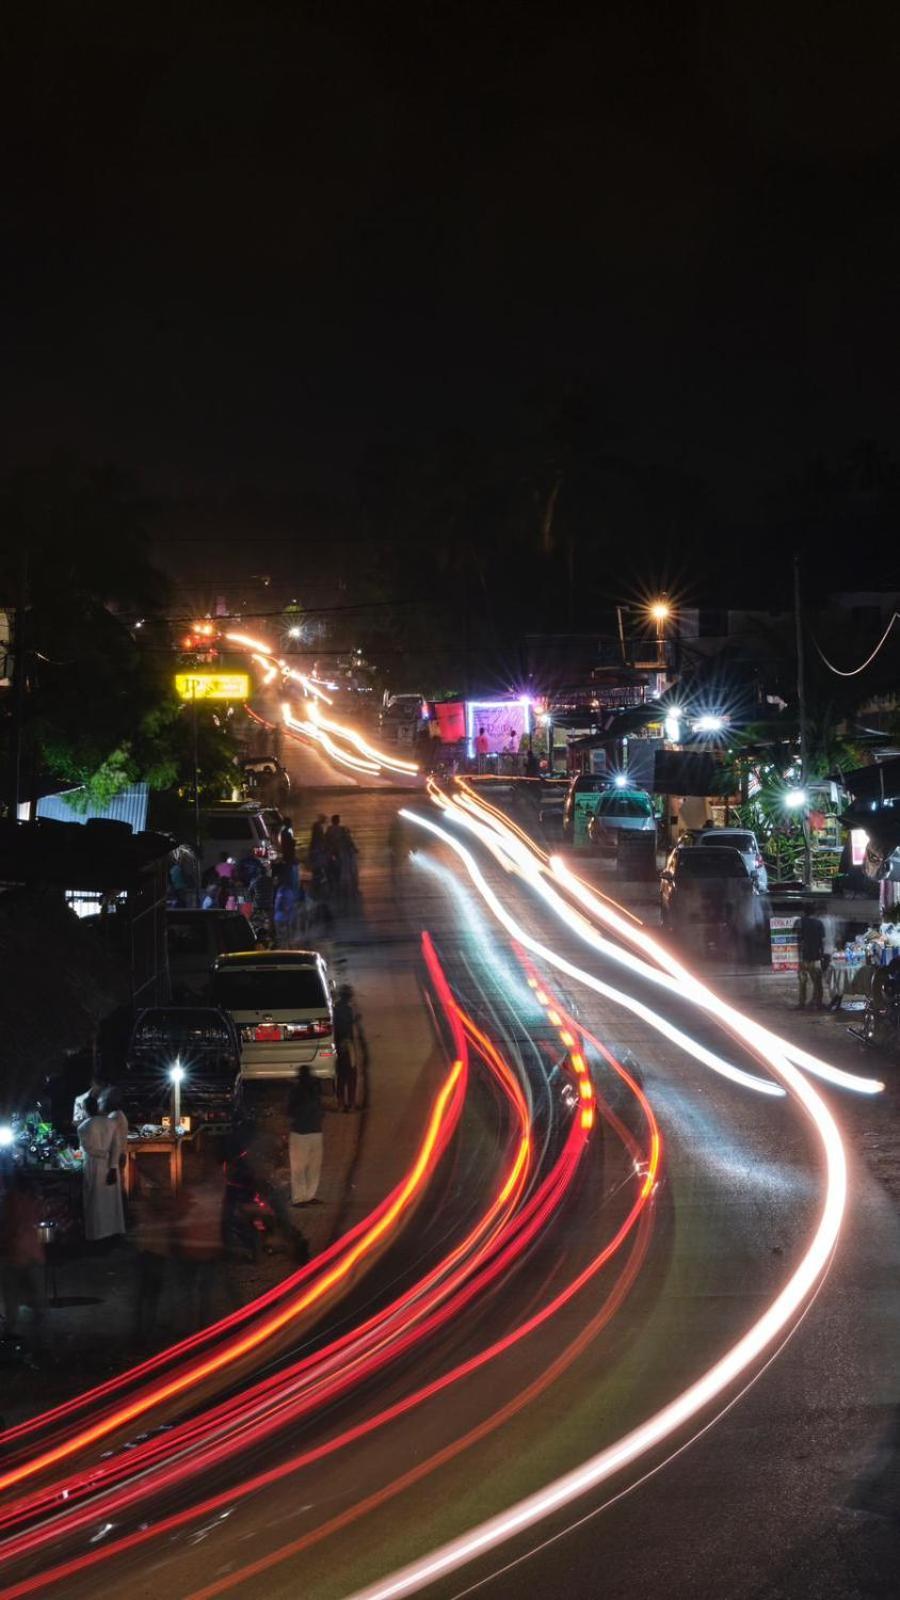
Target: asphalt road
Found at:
x=785, y=1486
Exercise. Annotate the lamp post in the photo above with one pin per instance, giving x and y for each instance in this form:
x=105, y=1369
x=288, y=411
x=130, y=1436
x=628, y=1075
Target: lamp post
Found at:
x=660, y=612
x=176, y=1074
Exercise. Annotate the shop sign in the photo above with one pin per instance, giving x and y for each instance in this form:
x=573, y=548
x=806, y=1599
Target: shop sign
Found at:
x=785, y=949
x=212, y=685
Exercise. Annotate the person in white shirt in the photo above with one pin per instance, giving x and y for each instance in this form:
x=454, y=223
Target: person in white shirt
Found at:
x=99, y=1138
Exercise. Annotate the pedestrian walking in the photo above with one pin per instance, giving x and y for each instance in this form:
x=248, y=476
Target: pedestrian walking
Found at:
x=343, y=872
x=21, y=1255
x=810, y=931
x=305, y=1139
x=152, y=1211
x=287, y=844
x=201, y=1237
x=284, y=911
x=350, y=1043
x=318, y=854
x=98, y=1136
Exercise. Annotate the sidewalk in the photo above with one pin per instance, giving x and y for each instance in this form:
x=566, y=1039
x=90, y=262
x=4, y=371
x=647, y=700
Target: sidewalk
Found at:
x=89, y=1335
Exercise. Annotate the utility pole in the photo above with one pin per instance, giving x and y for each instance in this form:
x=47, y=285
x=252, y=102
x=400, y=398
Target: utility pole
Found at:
x=801, y=712
x=196, y=765
x=19, y=677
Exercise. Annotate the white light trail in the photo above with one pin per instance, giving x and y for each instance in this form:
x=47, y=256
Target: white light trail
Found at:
x=754, y=1032
x=652, y=1018
x=517, y=845
x=713, y=1385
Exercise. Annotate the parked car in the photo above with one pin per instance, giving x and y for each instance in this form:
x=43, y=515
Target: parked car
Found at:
x=744, y=840
x=238, y=828
x=710, y=894
x=204, y=1042
x=620, y=810
x=265, y=779
x=281, y=1004
x=195, y=940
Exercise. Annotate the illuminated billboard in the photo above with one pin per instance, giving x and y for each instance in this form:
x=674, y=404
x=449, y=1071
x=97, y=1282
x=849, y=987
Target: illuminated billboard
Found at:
x=212, y=685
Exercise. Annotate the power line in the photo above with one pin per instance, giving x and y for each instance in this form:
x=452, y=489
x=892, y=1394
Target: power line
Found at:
x=869, y=659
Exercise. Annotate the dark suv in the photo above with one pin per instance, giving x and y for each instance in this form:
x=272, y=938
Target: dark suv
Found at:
x=203, y=1042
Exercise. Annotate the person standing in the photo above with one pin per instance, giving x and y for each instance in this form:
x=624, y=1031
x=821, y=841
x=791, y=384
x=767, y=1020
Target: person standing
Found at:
x=21, y=1254
x=318, y=853
x=810, y=931
x=305, y=1139
x=482, y=749
x=110, y=1104
x=341, y=858
x=350, y=1043
x=98, y=1137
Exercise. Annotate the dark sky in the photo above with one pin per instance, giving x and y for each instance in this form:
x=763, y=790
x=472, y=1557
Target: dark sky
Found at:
x=255, y=243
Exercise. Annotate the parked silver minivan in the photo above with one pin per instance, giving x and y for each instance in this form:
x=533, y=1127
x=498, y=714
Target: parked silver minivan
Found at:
x=281, y=1004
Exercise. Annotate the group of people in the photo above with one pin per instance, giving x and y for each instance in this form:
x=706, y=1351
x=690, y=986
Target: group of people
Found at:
x=333, y=859
x=507, y=758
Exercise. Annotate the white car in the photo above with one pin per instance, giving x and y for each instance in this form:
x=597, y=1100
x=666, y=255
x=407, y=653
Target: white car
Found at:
x=745, y=842
x=280, y=1001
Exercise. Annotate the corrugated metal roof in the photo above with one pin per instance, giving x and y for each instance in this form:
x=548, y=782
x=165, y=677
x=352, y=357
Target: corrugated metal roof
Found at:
x=130, y=806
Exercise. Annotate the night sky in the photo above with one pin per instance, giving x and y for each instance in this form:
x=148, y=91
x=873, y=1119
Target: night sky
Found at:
x=260, y=245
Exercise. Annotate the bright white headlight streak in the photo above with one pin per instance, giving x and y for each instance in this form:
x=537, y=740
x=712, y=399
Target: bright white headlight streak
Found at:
x=394, y=763
x=356, y=763
x=689, y=1404
x=753, y=1032
x=691, y=1046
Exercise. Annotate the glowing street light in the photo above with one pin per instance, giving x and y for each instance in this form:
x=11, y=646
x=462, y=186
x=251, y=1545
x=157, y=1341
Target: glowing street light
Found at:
x=660, y=610
x=620, y=780
x=794, y=799
x=176, y=1075
x=7, y=1136
x=710, y=723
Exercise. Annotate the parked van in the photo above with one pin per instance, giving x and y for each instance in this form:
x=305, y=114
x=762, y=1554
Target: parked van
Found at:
x=281, y=1004
x=237, y=828
x=195, y=940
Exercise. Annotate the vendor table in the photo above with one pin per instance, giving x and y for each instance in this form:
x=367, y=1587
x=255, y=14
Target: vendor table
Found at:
x=848, y=977
x=164, y=1144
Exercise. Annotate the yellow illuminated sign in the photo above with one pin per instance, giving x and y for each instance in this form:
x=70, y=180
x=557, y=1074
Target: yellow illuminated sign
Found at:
x=212, y=685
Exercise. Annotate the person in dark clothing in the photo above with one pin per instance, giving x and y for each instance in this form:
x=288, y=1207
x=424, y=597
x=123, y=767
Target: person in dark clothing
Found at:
x=350, y=1043
x=287, y=844
x=305, y=1139
x=810, y=931
x=318, y=853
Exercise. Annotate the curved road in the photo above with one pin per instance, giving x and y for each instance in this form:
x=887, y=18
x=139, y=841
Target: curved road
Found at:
x=555, y=1279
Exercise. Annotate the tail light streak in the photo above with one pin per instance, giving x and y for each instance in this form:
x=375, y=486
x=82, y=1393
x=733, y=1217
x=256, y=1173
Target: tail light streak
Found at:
x=693, y=1402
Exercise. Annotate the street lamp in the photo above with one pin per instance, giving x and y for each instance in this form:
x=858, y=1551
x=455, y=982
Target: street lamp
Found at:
x=795, y=798
x=176, y=1074
x=7, y=1136
x=660, y=610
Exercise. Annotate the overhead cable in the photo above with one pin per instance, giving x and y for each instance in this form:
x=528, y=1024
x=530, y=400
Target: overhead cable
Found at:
x=869, y=659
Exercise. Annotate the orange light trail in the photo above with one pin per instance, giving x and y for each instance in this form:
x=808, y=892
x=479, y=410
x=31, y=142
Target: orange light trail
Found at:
x=271, y=1325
